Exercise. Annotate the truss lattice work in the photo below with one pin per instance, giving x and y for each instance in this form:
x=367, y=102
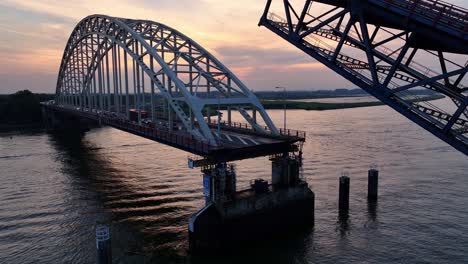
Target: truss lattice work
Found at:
x=112, y=65
x=388, y=48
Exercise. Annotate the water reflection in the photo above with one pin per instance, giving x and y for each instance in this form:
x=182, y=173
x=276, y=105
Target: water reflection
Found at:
x=148, y=213
x=343, y=223
x=52, y=192
x=372, y=210
x=97, y=180
x=285, y=248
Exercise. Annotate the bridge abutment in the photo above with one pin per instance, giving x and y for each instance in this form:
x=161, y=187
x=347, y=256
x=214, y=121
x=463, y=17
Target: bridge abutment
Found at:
x=231, y=218
x=62, y=122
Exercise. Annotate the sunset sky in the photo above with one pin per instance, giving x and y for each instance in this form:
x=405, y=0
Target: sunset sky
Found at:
x=34, y=34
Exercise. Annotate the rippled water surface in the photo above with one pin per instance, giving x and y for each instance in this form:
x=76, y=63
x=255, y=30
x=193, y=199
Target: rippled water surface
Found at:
x=52, y=192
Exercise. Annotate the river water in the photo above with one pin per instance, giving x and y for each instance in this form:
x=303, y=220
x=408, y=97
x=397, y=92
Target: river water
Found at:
x=53, y=190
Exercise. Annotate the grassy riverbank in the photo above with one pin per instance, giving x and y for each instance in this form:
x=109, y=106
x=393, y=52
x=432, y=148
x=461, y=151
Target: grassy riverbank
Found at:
x=279, y=104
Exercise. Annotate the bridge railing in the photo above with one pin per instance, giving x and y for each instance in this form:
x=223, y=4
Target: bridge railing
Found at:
x=326, y=50
x=247, y=128
x=322, y=46
x=153, y=132
x=381, y=48
x=184, y=141
x=318, y=45
x=178, y=139
x=435, y=10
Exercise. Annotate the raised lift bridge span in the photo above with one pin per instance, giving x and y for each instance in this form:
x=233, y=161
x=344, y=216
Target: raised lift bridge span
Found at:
x=388, y=48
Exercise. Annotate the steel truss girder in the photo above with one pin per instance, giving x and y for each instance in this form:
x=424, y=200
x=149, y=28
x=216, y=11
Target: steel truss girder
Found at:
x=376, y=73
x=97, y=36
x=429, y=83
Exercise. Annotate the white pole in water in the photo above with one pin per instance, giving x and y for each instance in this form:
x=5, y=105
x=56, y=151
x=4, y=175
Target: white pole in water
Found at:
x=219, y=117
x=103, y=244
x=284, y=106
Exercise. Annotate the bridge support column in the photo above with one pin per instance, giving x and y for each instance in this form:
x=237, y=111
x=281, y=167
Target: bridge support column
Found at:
x=284, y=170
x=49, y=118
x=219, y=183
x=232, y=218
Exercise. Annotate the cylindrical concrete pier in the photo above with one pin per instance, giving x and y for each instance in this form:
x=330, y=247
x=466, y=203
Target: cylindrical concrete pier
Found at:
x=103, y=244
x=372, y=184
x=344, y=193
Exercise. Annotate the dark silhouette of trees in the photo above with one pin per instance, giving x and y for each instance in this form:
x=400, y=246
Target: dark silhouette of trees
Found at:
x=21, y=107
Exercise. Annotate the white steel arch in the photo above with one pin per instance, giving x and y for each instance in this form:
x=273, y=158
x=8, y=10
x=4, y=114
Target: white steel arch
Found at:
x=108, y=62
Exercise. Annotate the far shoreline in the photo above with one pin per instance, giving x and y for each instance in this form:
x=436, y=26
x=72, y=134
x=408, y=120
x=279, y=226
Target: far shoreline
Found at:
x=24, y=111
x=318, y=106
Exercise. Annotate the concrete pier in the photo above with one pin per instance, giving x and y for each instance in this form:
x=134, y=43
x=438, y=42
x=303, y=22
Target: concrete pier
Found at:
x=219, y=183
x=343, y=199
x=372, y=184
x=251, y=217
x=284, y=170
x=235, y=217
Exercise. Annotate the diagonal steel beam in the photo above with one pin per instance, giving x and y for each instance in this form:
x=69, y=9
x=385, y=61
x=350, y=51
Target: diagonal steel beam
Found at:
x=430, y=80
x=323, y=23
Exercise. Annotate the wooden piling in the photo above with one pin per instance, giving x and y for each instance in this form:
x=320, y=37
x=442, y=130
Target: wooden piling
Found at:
x=344, y=193
x=372, y=184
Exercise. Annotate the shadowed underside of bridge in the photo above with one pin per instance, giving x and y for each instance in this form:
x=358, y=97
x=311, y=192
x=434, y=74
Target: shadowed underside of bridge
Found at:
x=150, y=80
x=388, y=48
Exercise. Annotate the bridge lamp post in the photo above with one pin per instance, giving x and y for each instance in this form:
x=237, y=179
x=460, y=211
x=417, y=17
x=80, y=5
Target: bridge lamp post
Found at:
x=284, y=105
x=219, y=116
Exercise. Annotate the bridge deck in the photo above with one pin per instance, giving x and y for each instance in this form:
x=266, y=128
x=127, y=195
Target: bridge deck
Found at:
x=432, y=12
x=440, y=25
x=233, y=142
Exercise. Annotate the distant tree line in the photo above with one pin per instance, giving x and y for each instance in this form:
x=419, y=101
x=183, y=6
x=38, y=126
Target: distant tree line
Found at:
x=21, y=108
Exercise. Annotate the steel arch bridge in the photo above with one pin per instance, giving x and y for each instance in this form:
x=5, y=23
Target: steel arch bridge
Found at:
x=388, y=48
x=148, y=79
x=115, y=64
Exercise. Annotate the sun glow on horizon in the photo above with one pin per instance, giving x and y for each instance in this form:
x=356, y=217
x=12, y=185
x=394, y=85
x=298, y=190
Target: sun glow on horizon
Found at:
x=35, y=32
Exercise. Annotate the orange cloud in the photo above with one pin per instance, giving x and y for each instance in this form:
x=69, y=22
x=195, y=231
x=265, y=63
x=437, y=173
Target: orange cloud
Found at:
x=38, y=60
x=296, y=67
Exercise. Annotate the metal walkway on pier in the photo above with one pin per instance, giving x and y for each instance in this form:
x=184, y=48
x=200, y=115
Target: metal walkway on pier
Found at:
x=150, y=80
x=388, y=48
